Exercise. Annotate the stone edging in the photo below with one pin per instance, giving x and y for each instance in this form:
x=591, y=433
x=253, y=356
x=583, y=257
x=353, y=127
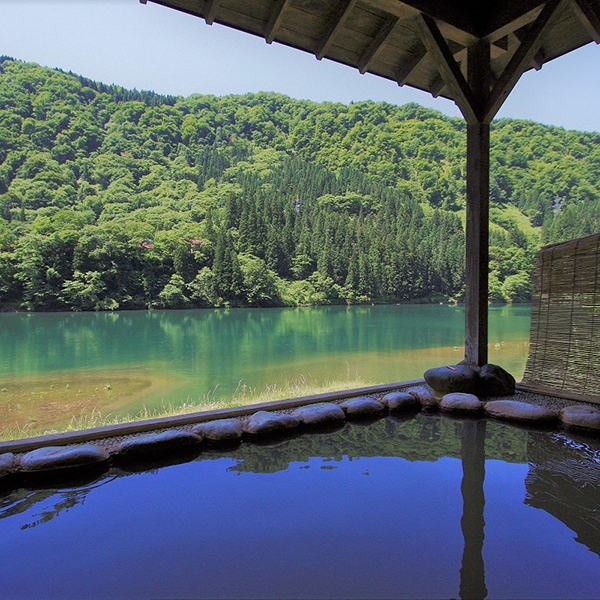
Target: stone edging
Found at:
x=181, y=438
x=135, y=427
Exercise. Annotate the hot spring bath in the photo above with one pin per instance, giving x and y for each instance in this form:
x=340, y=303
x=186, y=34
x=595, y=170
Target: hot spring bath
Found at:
x=423, y=507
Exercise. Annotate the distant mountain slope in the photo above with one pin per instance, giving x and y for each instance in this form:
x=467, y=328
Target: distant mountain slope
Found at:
x=113, y=198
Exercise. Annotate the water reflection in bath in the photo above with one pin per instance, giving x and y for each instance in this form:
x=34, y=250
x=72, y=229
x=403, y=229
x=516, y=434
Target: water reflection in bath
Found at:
x=427, y=507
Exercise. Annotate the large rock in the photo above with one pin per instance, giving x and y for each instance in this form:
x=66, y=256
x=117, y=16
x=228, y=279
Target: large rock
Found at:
x=496, y=381
x=221, y=430
x=461, y=403
x=452, y=378
x=426, y=397
x=55, y=458
x=8, y=464
x=400, y=401
x=264, y=423
x=580, y=416
x=152, y=443
x=362, y=407
x=323, y=413
x=513, y=410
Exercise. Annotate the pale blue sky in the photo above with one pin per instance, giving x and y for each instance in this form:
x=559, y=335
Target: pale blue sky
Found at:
x=154, y=48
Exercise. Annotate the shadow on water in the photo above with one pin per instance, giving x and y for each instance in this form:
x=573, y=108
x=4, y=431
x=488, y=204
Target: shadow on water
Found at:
x=563, y=480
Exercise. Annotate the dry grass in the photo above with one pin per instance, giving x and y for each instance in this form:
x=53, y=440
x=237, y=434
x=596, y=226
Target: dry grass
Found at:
x=243, y=396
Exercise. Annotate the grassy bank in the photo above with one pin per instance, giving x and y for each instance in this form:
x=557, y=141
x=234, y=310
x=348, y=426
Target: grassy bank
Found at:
x=243, y=396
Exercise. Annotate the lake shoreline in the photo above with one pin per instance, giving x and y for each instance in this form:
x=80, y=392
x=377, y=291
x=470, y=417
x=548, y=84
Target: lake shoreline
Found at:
x=77, y=367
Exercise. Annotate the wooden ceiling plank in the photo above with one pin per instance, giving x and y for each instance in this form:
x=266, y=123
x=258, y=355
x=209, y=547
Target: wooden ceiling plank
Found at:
x=589, y=17
x=210, y=11
x=337, y=22
x=410, y=64
x=379, y=41
x=449, y=69
x=276, y=19
x=521, y=59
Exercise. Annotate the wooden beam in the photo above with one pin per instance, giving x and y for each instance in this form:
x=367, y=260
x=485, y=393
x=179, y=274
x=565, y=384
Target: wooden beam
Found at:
x=449, y=69
x=336, y=23
x=521, y=59
x=436, y=86
x=408, y=66
x=379, y=41
x=276, y=19
x=589, y=17
x=502, y=43
x=455, y=15
x=406, y=12
x=537, y=62
x=210, y=11
x=508, y=24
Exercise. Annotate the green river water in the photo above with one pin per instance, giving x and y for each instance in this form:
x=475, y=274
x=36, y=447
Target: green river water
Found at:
x=54, y=365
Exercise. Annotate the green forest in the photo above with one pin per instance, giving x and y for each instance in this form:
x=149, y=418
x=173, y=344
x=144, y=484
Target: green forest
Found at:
x=120, y=199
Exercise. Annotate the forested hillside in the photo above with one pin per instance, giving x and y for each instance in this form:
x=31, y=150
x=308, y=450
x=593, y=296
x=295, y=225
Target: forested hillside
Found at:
x=119, y=199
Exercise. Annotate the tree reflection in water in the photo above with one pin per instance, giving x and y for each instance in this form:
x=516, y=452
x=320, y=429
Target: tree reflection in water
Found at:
x=563, y=477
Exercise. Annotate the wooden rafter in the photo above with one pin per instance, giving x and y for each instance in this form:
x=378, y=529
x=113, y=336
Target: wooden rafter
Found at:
x=449, y=69
x=454, y=14
x=521, y=59
x=276, y=19
x=337, y=22
x=537, y=62
x=418, y=53
x=589, y=16
x=378, y=43
x=521, y=21
x=210, y=11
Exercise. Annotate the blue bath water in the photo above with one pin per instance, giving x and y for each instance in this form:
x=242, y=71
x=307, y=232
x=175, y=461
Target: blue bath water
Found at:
x=427, y=507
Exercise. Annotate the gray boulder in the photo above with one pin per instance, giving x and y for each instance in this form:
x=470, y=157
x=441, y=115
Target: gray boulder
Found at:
x=54, y=458
x=323, y=413
x=425, y=395
x=496, y=381
x=399, y=401
x=581, y=417
x=8, y=464
x=164, y=441
x=461, y=402
x=263, y=422
x=452, y=378
x=363, y=406
x=513, y=410
x=222, y=430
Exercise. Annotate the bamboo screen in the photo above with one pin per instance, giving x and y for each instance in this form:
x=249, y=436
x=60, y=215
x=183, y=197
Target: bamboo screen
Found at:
x=564, y=353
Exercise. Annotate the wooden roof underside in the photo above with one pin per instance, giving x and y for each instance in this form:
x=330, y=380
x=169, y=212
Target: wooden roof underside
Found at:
x=420, y=43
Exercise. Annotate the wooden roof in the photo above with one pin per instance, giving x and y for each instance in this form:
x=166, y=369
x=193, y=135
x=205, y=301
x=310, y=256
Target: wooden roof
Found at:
x=420, y=43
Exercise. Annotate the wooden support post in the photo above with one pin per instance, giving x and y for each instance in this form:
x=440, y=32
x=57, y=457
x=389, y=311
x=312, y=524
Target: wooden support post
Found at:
x=479, y=102
x=477, y=252
x=477, y=234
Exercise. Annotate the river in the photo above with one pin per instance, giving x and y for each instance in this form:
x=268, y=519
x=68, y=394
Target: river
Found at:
x=55, y=365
